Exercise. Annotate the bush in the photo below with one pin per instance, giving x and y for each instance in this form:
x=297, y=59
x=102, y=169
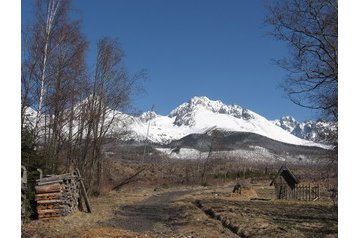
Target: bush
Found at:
x=32, y=160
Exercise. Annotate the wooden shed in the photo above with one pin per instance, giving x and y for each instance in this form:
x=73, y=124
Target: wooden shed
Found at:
x=285, y=183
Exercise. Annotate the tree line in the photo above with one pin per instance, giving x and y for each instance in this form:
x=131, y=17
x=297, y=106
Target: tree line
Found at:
x=67, y=109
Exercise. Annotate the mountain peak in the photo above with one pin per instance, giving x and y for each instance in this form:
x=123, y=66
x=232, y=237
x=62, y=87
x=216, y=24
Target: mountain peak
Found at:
x=185, y=113
x=288, y=118
x=205, y=101
x=287, y=123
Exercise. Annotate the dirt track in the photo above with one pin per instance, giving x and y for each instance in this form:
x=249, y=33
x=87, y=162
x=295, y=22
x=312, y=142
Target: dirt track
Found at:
x=144, y=213
x=174, y=212
x=156, y=214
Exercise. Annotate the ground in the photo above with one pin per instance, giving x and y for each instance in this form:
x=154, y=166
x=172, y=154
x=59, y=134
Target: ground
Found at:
x=192, y=211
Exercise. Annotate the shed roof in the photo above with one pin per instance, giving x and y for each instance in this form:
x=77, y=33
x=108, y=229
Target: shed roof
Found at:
x=285, y=169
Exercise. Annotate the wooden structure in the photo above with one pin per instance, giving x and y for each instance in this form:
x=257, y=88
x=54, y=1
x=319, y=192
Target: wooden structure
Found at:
x=23, y=192
x=287, y=186
x=307, y=192
x=285, y=183
x=59, y=195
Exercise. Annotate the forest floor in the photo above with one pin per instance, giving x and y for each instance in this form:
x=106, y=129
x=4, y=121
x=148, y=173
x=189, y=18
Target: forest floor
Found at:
x=192, y=211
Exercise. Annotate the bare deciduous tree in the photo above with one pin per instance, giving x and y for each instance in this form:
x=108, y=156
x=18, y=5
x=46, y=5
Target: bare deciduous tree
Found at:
x=215, y=145
x=74, y=112
x=310, y=28
x=52, y=68
x=110, y=93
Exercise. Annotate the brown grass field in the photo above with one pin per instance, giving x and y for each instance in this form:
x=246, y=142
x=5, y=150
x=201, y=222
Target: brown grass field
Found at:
x=193, y=211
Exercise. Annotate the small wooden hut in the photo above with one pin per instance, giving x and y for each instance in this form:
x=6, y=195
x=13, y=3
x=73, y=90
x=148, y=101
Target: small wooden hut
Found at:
x=285, y=183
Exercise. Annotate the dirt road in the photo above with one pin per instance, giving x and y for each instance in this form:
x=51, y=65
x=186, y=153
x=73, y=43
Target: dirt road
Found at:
x=167, y=214
x=158, y=214
x=174, y=212
x=141, y=213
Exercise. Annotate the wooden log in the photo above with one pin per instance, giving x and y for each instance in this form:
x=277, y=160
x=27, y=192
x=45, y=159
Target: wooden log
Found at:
x=59, y=201
x=49, y=188
x=48, y=206
x=50, y=215
x=83, y=192
x=49, y=196
x=260, y=199
x=58, y=211
x=55, y=177
x=49, y=182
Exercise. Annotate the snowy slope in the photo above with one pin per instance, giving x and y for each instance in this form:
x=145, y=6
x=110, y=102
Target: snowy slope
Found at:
x=201, y=114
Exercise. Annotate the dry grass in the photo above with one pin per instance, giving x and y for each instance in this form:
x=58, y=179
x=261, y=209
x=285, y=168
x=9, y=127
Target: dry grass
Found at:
x=171, y=212
x=272, y=218
x=75, y=224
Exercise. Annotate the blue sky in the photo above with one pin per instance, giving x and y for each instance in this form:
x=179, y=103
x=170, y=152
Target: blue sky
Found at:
x=219, y=49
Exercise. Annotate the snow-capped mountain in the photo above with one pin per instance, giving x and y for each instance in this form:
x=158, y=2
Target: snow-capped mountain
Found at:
x=199, y=115
x=185, y=113
x=317, y=131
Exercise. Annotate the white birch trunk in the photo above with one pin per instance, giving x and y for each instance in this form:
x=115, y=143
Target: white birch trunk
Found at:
x=51, y=13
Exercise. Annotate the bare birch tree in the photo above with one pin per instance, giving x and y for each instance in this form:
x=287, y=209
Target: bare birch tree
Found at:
x=53, y=64
x=74, y=112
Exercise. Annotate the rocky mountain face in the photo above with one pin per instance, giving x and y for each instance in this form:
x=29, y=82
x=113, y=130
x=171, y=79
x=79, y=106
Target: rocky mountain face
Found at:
x=317, y=131
x=185, y=113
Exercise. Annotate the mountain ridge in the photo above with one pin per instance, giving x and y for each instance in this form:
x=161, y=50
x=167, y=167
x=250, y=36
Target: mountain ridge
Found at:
x=317, y=131
x=200, y=114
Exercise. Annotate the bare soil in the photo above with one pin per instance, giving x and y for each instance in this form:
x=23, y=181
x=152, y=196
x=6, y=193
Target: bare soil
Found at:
x=174, y=212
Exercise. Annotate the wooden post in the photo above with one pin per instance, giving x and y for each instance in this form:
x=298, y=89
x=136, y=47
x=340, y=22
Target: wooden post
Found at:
x=302, y=192
x=83, y=191
x=40, y=173
x=297, y=193
x=24, y=174
x=319, y=194
x=23, y=193
x=309, y=190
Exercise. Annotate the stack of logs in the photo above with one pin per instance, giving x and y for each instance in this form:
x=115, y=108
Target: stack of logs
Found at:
x=57, y=195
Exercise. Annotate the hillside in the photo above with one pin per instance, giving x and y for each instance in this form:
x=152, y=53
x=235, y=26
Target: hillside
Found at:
x=199, y=115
